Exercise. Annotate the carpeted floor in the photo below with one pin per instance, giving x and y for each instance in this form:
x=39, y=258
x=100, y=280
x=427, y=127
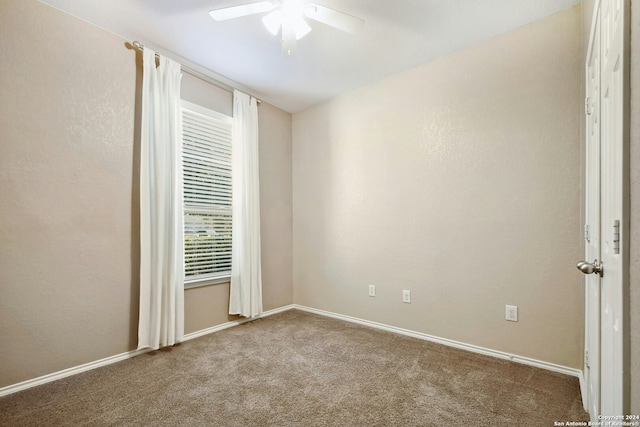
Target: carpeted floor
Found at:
x=301, y=369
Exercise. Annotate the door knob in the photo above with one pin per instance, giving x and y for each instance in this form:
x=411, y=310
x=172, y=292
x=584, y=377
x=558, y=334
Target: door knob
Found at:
x=590, y=268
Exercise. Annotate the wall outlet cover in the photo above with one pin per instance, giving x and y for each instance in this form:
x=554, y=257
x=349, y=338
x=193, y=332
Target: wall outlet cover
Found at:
x=406, y=296
x=511, y=313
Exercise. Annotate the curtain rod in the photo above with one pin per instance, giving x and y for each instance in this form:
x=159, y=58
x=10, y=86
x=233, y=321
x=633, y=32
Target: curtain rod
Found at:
x=139, y=46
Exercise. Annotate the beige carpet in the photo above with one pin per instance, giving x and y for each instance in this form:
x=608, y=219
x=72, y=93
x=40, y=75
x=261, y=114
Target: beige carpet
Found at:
x=300, y=369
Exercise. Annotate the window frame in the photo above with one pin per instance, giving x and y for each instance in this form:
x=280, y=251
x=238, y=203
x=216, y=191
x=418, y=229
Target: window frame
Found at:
x=204, y=280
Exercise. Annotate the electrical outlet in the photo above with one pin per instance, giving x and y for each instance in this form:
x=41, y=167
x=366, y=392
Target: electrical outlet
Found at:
x=372, y=290
x=511, y=313
x=406, y=296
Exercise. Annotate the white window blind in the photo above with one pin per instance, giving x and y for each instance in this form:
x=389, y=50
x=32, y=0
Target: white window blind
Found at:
x=206, y=160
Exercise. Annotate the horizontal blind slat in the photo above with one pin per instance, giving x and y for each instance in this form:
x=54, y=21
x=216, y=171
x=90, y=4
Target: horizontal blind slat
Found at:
x=207, y=186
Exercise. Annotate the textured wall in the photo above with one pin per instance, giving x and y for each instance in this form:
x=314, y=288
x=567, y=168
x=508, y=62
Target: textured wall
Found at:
x=276, y=228
x=68, y=198
x=66, y=166
x=458, y=180
x=588, y=7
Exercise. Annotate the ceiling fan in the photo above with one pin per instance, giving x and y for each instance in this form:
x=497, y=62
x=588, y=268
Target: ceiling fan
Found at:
x=289, y=15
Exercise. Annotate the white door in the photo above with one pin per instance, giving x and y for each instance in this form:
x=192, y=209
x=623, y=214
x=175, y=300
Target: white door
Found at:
x=592, y=227
x=612, y=110
x=604, y=209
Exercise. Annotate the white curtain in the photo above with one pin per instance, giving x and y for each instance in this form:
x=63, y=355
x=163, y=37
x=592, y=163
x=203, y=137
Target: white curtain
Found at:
x=246, y=275
x=161, y=321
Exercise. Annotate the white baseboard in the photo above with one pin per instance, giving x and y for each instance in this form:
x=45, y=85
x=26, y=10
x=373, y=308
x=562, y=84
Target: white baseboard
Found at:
x=4, y=391
x=232, y=323
x=469, y=347
x=70, y=371
x=583, y=391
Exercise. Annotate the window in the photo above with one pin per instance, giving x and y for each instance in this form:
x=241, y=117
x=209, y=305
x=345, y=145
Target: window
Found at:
x=206, y=162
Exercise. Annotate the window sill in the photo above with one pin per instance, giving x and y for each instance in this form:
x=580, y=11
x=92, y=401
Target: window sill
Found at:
x=207, y=282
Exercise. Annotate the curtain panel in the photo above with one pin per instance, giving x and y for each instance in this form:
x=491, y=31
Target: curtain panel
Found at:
x=246, y=270
x=161, y=321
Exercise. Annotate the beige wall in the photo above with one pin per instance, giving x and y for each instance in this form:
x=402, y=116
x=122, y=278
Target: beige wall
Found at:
x=68, y=198
x=276, y=227
x=588, y=7
x=458, y=180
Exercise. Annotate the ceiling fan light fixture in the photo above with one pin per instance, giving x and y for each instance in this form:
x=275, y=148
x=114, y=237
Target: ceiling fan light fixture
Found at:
x=288, y=18
x=293, y=9
x=301, y=28
x=292, y=13
x=273, y=21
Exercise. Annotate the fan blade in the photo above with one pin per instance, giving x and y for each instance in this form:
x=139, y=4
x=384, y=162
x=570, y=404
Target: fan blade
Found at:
x=273, y=21
x=242, y=10
x=333, y=18
x=289, y=41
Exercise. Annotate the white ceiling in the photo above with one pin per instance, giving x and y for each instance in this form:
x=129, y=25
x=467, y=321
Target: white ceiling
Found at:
x=398, y=35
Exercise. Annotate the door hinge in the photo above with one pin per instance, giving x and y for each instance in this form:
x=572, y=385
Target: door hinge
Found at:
x=586, y=358
x=587, y=110
x=616, y=236
x=586, y=233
